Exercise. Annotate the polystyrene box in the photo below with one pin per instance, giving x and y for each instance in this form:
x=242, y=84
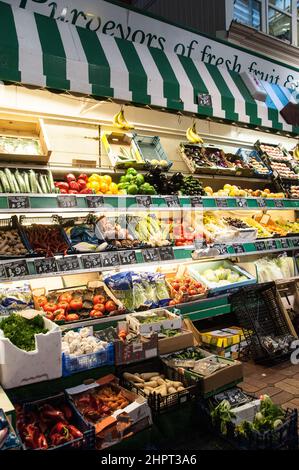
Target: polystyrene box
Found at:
x=18, y=367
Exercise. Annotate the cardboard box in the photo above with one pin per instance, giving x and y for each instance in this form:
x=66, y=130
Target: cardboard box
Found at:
x=175, y=343
x=173, y=322
x=139, y=350
x=122, y=149
x=219, y=380
x=246, y=412
x=110, y=430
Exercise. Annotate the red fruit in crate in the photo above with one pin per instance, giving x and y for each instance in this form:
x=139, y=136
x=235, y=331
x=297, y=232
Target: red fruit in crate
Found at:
x=75, y=186
x=63, y=304
x=96, y=314
x=50, y=316
x=50, y=307
x=62, y=185
x=82, y=184
x=72, y=317
x=42, y=300
x=70, y=177
x=100, y=307
x=76, y=304
x=59, y=311
x=83, y=177
x=66, y=297
x=73, y=191
x=99, y=299
x=110, y=306
x=60, y=317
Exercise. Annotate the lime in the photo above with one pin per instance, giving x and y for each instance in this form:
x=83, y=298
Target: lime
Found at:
x=131, y=171
x=132, y=189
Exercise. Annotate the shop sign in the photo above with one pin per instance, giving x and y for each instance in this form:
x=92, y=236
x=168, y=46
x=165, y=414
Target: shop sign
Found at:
x=117, y=21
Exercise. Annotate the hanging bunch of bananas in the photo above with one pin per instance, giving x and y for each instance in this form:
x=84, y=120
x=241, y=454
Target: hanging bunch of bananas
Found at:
x=120, y=121
x=296, y=152
x=192, y=135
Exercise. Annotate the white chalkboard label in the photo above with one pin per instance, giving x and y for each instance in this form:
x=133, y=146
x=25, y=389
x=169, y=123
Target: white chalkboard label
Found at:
x=143, y=201
x=241, y=202
x=196, y=201
x=278, y=203
x=239, y=249
x=64, y=202
x=110, y=259
x=172, y=201
x=91, y=261
x=127, y=257
x=221, y=248
x=46, y=265
x=260, y=246
x=261, y=202
x=271, y=244
x=221, y=202
x=166, y=253
x=151, y=255
x=94, y=201
x=18, y=202
x=16, y=269
x=284, y=242
x=68, y=263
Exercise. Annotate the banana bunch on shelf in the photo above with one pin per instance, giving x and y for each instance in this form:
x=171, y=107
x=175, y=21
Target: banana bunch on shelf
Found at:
x=296, y=152
x=120, y=121
x=192, y=136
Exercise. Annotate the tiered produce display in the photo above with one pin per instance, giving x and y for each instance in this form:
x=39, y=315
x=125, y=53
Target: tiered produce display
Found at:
x=109, y=275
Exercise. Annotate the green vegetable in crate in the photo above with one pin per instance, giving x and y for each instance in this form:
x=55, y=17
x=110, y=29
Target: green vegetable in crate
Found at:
x=21, y=331
x=134, y=183
x=223, y=414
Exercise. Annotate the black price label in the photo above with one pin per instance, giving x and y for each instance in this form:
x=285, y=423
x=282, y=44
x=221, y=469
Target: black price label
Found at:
x=2, y=271
x=91, y=261
x=221, y=202
x=284, y=243
x=166, y=253
x=295, y=242
x=18, y=202
x=68, y=263
x=64, y=202
x=172, y=201
x=143, y=201
x=222, y=249
x=196, y=201
x=271, y=245
x=261, y=202
x=44, y=266
x=241, y=202
x=16, y=269
x=260, y=246
x=127, y=257
x=94, y=201
x=239, y=249
x=278, y=203
x=151, y=255
x=110, y=259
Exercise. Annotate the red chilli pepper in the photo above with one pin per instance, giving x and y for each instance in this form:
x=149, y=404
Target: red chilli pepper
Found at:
x=42, y=442
x=74, y=431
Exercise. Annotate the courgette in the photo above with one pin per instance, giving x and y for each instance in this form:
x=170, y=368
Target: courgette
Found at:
x=20, y=181
x=16, y=185
x=51, y=182
x=33, y=181
x=10, y=180
x=45, y=178
x=1, y=188
x=42, y=184
x=38, y=186
x=4, y=182
x=26, y=180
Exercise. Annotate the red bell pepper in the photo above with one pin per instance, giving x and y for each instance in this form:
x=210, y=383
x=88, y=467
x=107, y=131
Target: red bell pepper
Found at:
x=48, y=413
x=70, y=177
x=73, y=191
x=76, y=434
x=83, y=176
x=81, y=183
x=74, y=185
x=62, y=185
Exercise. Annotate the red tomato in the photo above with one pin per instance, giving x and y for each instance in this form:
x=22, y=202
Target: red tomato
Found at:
x=66, y=297
x=176, y=286
x=64, y=305
x=72, y=317
x=99, y=299
x=192, y=292
x=172, y=302
x=60, y=317
x=100, y=307
x=42, y=300
x=76, y=304
x=110, y=306
x=198, y=285
x=96, y=314
x=183, y=289
x=50, y=316
x=59, y=311
x=50, y=307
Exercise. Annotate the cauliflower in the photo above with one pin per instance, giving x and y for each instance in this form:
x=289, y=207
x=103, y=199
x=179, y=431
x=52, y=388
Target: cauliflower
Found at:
x=85, y=332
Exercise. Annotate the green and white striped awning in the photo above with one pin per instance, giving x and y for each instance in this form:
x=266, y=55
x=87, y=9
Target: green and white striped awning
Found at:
x=36, y=50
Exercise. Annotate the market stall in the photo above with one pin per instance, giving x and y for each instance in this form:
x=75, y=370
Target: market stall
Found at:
x=128, y=232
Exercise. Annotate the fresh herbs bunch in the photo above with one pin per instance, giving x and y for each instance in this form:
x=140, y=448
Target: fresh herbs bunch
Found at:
x=21, y=331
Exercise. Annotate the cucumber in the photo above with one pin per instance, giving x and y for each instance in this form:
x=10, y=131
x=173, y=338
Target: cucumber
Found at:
x=38, y=186
x=45, y=178
x=51, y=182
x=26, y=180
x=33, y=181
x=1, y=188
x=20, y=181
x=17, y=189
x=10, y=180
x=4, y=181
x=42, y=184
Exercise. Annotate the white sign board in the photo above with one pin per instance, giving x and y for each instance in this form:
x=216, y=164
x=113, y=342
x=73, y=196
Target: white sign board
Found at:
x=112, y=19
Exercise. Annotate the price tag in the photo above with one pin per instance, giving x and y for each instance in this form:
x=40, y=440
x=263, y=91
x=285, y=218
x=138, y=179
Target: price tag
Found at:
x=241, y=202
x=110, y=259
x=68, y=263
x=127, y=257
x=18, y=202
x=284, y=243
x=221, y=202
x=261, y=202
x=47, y=265
x=16, y=269
x=64, y=202
x=196, y=201
x=260, y=246
x=278, y=203
x=2, y=271
x=239, y=249
x=91, y=261
x=94, y=201
x=172, y=201
x=151, y=255
x=166, y=253
x=222, y=249
x=271, y=244
x=295, y=242
x=144, y=201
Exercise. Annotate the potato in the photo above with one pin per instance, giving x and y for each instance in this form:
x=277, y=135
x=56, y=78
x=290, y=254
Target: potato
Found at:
x=171, y=390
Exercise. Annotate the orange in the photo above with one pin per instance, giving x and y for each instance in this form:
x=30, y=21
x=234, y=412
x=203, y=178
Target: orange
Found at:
x=107, y=179
x=104, y=187
x=113, y=188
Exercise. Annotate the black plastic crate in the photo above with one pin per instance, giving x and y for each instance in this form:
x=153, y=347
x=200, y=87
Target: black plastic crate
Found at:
x=82, y=443
x=157, y=403
x=285, y=437
x=13, y=224
x=261, y=317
